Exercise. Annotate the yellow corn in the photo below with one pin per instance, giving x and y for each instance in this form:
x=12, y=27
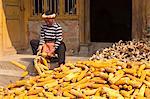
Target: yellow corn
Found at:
x=45, y=82
x=147, y=78
x=147, y=92
x=89, y=92
x=35, y=91
x=67, y=94
x=77, y=93
x=101, y=74
x=112, y=93
x=44, y=61
x=51, y=84
x=148, y=73
x=147, y=83
x=111, y=70
x=38, y=69
x=84, y=85
x=24, y=74
x=48, y=94
x=114, y=87
x=81, y=75
x=19, y=65
x=70, y=76
x=43, y=66
x=130, y=71
x=126, y=93
x=123, y=81
x=135, y=93
x=142, y=67
x=135, y=83
x=119, y=74
x=143, y=75
x=142, y=90
x=98, y=80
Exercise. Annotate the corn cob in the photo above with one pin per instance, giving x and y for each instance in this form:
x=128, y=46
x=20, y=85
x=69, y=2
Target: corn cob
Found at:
x=89, y=92
x=44, y=61
x=43, y=66
x=123, y=81
x=140, y=97
x=38, y=69
x=84, y=85
x=143, y=75
x=82, y=74
x=77, y=93
x=135, y=83
x=135, y=93
x=48, y=94
x=85, y=79
x=118, y=74
x=147, y=78
x=45, y=82
x=24, y=74
x=51, y=84
x=127, y=87
x=147, y=65
x=101, y=74
x=111, y=70
x=142, y=90
x=70, y=76
x=96, y=85
x=112, y=93
x=126, y=93
x=130, y=71
x=114, y=87
x=147, y=83
x=98, y=80
x=67, y=94
x=147, y=92
x=142, y=67
x=147, y=73
x=133, y=77
x=97, y=97
x=35, y=91
x=19, y=65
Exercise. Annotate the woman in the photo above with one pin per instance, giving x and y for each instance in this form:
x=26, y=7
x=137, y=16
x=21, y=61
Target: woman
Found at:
x=51, y=31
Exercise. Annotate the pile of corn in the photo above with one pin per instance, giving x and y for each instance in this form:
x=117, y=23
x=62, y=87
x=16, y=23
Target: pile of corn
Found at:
x=91, y=79
x=125, y=51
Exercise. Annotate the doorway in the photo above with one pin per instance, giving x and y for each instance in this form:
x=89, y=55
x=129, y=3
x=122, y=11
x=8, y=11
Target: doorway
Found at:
x=110, y=20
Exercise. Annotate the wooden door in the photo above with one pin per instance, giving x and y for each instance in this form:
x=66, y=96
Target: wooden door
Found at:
x=15, y=24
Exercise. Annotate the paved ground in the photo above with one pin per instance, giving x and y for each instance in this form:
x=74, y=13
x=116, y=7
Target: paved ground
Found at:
x=10, y=73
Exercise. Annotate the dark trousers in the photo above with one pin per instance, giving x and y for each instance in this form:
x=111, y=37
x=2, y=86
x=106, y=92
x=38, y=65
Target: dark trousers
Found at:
x=60, y=51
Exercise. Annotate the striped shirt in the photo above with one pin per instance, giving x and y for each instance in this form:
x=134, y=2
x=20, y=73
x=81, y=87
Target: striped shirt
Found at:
x=51, y=33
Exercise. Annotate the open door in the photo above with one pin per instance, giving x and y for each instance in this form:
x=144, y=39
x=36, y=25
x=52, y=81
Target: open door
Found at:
x=15, y=22
x=111, y=20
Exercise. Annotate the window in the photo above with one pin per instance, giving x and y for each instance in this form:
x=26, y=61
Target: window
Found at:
x=70, y=6
x=63, y=8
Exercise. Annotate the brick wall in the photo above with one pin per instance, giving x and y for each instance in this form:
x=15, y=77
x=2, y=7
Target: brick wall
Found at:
x=70, y=34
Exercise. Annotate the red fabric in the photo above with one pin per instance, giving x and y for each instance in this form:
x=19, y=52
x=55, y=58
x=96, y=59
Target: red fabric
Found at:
x=49, y=48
